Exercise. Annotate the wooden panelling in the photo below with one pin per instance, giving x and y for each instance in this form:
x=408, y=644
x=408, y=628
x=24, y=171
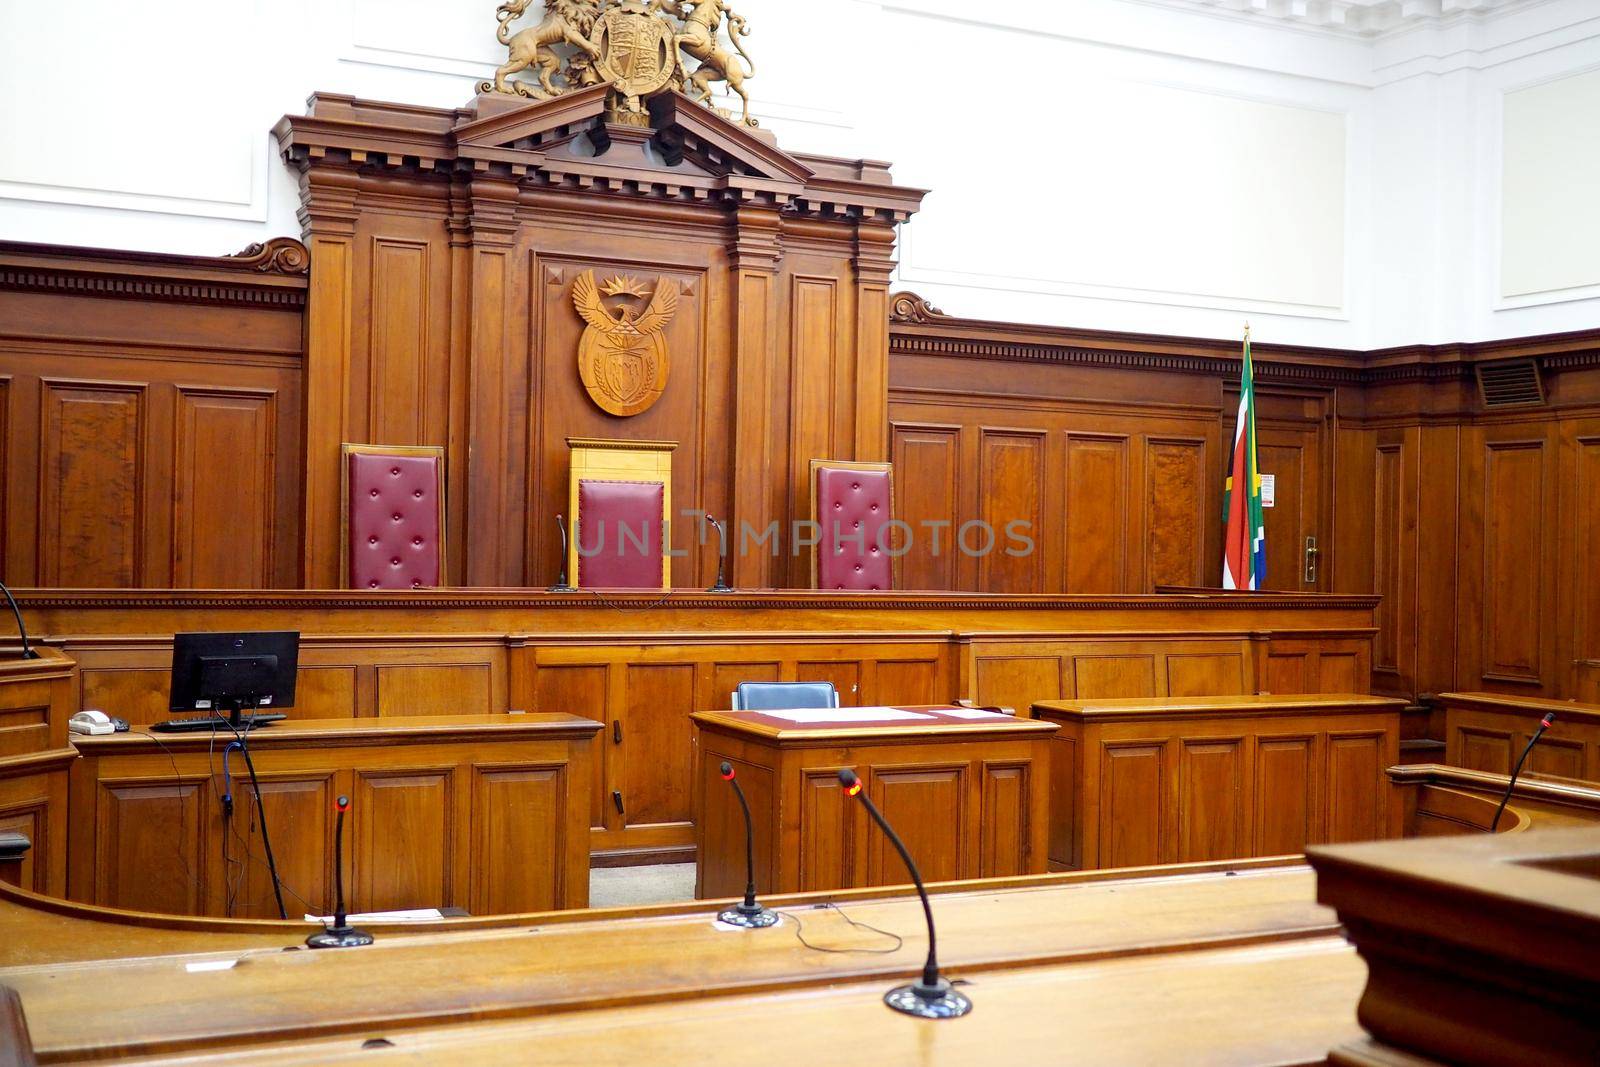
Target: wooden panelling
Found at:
x=827, y=839
x=91, y=504
x=399, y=362
x=937, y=795
x=1004, y=835
x=1013, y=681
x=927, y=467
x=1132, y=804
x=1513, y=493
x=487, y=813
x=1585, y=551
x=903, y=682
x=1097, y=519
x=1114, y=676
x=1175, y=507
x=1177, y=780
x=1387, y=552
x=1204, y=675
x=1011, y=487
x=1489, y=731
x=655, y=783
x=403, y=850
x=435, y=689
x=223, y=500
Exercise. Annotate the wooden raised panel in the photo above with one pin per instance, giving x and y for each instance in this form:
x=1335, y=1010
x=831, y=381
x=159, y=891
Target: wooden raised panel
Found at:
x=1114, y=676
x=844, y=674
x=435, y=689
x=720, y=828
x=1175, y=507
x=145, y=839
x=1387, y=551
x=1211, y=674
x=725, y=679
x=1285, y=795
x=403, y=847
x=1017, y=681
x=814, y=348
x=1210, y=799
x=1586, y=533
x=299, y=813
x=902, y=682
x=1282, y=454
x=1513, y=542
x=1356, y=787
x=325, y=692
x=33, y=822
x=1011, y=476
x=1287, y=672
x=927, y=467
x=827, y=833
x=399, y=364
x=91, y=511
x=1562, y=757
x=138, y=695
x=937, y=795
x=1064, y=815
x=223, y=503
x=24, y=728
x=1339, y=672
x=1132, y=804
x=517, y=815
x=656, y=734
x=1007, y=789
x=1097, y=520
x=1483, y=750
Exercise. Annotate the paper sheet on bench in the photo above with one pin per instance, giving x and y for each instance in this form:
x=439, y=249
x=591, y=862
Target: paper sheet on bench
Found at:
x=826, y=715
x=972, y=713
x=410, y=915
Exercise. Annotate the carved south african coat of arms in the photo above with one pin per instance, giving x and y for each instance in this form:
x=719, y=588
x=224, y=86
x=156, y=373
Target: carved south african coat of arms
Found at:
x=622, y=357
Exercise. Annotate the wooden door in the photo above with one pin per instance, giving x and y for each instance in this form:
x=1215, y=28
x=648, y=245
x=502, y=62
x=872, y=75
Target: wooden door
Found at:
x=1291, y=436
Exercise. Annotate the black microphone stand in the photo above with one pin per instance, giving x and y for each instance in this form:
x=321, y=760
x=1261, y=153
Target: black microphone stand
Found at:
x=562, y=585
x=722, y=585
x=748, y=913
x=341, y=934
x=931, y=997
x=1544, y=724
x=22, y=631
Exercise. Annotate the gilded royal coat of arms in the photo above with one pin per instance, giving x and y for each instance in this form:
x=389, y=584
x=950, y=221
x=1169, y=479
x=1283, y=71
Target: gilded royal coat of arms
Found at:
x=622, y=357
x=638, y=48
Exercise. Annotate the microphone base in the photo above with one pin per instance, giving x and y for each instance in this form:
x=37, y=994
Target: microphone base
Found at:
x=562, y=587
x=339, y=937
x=754, y=918
x=939, y=1001
x=720, y=587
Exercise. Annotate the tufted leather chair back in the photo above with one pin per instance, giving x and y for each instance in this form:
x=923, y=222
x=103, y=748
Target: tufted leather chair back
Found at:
x=619, y=533
x=394, y=517
x=853, y=503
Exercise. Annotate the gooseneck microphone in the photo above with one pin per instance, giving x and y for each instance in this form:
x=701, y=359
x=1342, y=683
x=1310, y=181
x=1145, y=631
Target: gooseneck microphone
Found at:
x=22, y=631
x=562, y=584
x=722, y=585
x=747, y=913
x=341, y=934
x=1544, y=724
x=932, y=997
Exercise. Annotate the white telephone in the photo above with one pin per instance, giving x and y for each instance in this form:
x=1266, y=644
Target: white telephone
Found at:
x=93, y=723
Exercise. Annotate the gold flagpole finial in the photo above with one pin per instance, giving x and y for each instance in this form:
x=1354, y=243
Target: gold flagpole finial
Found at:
x=1247, y=329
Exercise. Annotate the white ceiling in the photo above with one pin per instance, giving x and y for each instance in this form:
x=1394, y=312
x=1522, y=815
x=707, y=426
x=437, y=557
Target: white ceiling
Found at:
x=1363, y=18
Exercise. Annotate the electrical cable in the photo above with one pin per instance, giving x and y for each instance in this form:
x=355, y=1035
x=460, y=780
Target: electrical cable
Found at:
x=261, y=816
x=800, y=934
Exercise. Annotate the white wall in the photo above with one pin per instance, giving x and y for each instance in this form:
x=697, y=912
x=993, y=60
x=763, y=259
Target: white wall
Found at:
x=1104, y=163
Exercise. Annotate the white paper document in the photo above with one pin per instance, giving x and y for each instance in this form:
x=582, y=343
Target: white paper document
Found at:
x=415, y=915
x=826, y=715
x=971, y=713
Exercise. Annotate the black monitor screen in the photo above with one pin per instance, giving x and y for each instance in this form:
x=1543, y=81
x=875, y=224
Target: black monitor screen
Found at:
x=214, y=672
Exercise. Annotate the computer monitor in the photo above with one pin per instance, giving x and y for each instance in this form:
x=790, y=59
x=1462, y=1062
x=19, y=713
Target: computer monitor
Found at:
x=223, y=673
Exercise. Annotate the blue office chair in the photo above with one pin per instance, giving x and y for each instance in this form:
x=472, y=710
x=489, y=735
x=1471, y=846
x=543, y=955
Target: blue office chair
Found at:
x=784, y=696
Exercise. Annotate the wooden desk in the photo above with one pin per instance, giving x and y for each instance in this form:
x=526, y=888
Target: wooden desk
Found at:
x=1480, y=948
x=490, y=813
x=1081, y=961
x=968, y=795
x=641, y=663
x=1438, y=800
x=1487, y=732
x=1175, y=781
x=36, y=700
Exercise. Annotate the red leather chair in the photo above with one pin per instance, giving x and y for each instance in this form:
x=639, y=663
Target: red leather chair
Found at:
x=621, y=494
x=393, y=516
x=852, y=504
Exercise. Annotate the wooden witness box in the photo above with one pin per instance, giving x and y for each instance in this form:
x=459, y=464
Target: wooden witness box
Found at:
x=489, y=813
x=36, y=699
x=1139, y=781
x=1488, y=731
x=967, y=791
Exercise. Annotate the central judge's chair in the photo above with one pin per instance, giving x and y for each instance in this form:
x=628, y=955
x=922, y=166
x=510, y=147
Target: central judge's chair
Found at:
x=852, y=504
x=620, y=499
x=784, y=696
x=393, y=516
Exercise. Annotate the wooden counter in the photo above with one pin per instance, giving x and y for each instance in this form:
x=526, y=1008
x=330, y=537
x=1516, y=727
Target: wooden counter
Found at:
x=487, y=813
x=36, y=700
x=1175, y=781
x=641, y=663
x=966, y=790
x=1438, y=800
x=1487, y=732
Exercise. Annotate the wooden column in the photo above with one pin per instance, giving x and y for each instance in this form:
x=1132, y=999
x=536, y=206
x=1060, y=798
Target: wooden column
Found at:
x=328, y=216
x=873, y=263
x=757, y=496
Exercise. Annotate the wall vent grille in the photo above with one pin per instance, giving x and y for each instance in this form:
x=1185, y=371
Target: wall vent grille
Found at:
x=1510, y=383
